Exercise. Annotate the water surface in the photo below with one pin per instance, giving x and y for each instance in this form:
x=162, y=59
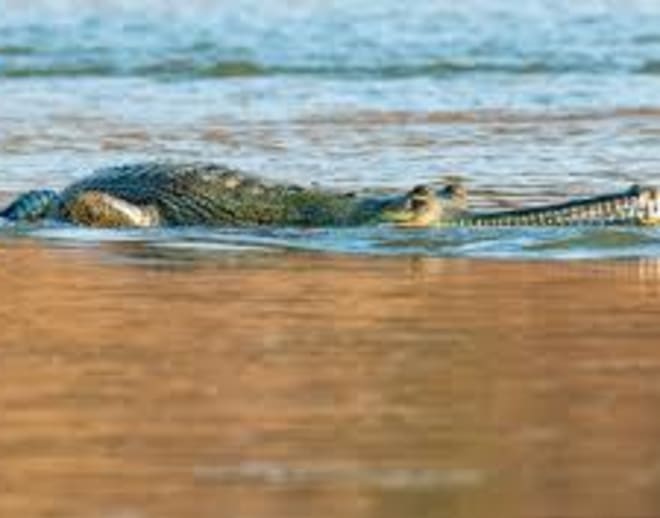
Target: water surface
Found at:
x=366, y=372
x=546, y=99
x=255, y=385
x=525, y=104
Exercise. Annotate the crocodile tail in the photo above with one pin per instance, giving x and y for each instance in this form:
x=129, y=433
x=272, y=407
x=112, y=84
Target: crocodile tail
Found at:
x=32, y=206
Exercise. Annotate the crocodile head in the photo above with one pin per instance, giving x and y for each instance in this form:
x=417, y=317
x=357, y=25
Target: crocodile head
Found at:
x=424, y=206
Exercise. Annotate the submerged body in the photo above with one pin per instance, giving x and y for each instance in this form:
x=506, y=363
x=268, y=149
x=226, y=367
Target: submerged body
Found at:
x=168, y=194
x=154, y=194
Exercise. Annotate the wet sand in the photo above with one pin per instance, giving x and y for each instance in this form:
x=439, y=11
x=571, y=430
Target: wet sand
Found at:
x=299, y=385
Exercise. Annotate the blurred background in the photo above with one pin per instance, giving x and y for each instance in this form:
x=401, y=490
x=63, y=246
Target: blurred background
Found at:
x=540, y=99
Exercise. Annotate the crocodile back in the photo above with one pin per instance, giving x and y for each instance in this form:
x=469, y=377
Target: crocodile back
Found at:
x=212, y=194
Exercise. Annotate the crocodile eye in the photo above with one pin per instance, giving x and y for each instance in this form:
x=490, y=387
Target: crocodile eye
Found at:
x=420, y=190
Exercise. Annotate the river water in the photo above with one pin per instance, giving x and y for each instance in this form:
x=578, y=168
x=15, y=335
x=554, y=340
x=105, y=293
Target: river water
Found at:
x=319, y=372
x=525, y=104
x=295, y=385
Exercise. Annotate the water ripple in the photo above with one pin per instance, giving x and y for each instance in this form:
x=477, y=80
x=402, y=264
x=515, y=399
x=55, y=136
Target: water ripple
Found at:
x=503, y=243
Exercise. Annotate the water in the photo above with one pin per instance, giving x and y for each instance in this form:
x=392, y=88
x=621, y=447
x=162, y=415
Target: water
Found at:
x=332, y=372
x=525, y=104
x=262, y=385
x=484, y=243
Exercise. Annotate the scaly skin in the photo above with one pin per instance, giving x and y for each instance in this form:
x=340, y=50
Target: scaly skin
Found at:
x=151, y=194
x=635, y=206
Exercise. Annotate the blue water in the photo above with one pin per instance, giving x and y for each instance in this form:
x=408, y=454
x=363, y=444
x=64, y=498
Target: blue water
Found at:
x=526, y=102
x=341, y=39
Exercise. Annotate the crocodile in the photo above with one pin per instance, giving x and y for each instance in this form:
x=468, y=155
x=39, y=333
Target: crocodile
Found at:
x=637, y=205
x=170, y=194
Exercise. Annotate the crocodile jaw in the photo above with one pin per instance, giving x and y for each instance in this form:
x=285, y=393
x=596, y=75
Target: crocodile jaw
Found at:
x=635, y=206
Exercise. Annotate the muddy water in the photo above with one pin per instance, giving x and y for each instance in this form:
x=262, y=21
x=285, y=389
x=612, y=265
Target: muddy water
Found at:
x=257, y=373
x=294, y=385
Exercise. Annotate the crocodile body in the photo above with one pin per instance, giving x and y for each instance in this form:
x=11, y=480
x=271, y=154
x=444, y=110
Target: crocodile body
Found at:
x=191, y=194
x=151, y=194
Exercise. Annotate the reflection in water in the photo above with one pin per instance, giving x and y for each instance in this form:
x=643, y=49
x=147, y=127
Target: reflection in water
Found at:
x=257, y=385
x=179, y=244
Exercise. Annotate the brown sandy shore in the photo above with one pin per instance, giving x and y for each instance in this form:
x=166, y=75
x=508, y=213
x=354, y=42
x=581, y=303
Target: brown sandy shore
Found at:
x=304, y=385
